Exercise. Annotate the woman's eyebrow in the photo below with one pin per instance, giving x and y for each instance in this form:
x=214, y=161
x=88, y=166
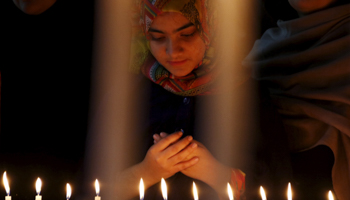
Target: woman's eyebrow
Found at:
x=154, y=30
x=184, y=27
x=177, y=30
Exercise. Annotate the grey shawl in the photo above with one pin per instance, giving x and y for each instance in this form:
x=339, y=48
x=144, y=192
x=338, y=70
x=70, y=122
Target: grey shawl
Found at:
x=306, y=64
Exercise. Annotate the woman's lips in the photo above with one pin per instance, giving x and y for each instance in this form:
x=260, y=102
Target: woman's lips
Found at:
x=177, y=63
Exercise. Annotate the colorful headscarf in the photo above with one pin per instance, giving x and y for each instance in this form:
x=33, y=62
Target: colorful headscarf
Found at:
x=200, y=80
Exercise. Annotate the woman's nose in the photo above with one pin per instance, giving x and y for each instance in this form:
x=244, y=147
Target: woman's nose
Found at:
x=173, y=47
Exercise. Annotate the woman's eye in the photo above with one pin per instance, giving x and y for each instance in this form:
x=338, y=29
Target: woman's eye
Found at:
x=188, y=35
x=157, y=38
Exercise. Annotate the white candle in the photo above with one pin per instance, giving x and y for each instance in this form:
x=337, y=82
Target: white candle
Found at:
x=195, y=192
x=97, y=188
x=330, y=195
x=7, y=187
x=164, y=189
x=38, y=189
x=289, y=192
x=262, y=193
x=69, y=191
x=142, y=189
x=229, y=191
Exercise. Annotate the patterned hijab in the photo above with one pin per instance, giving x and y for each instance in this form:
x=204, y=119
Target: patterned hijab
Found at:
x=200, y=80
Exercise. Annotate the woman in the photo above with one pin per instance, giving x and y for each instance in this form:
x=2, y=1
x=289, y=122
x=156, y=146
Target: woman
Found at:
x=173, y=46
x=304, y=62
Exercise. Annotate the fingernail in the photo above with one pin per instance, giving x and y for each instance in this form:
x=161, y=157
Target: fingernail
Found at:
x=194, y=145
x=162, y=134
x=189, y=138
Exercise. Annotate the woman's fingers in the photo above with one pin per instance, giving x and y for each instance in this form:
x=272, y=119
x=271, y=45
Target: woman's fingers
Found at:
x=183, y=154
x=168, y=140
x=156, y=138
x=163, y=134
x=186, y=164
x=177, y=147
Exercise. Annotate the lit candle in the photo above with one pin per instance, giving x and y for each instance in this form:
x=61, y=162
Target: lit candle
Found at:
x=38, y=189
x=262, y=193
x=195, y=192
x=229, y=191
x=7, y=187
x=330, y=195
x=142, y=189
x=69, y=191
x=164, y=189
x=97, y=188
x=289, y=192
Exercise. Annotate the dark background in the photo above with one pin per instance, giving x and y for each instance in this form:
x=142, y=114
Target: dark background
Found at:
x=45, y=90
x=45, y=87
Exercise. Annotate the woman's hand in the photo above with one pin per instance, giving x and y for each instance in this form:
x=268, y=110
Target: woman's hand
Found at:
x=169, y=156
x=208, y=169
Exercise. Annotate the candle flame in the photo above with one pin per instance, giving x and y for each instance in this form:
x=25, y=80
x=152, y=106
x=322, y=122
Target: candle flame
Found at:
x=164, y=189
x=229, y=191
x=97, y=187
x=330, y=195
x=38, y=186
x=195, y=192
x=6, y=183
x=142, y=189
x=262, y=193
x=69, y=191
x=289, y=193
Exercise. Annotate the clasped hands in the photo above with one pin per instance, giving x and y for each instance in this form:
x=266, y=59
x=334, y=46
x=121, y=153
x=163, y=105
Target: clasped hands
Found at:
x=171, y=154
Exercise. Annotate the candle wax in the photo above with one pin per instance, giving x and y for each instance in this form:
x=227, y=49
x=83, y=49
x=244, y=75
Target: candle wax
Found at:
x=97, y=198
x=38, y=197
x=7, y=197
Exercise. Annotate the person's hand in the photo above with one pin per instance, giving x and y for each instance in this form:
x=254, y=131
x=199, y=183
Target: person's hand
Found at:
x=167, y=157
x=208, y=169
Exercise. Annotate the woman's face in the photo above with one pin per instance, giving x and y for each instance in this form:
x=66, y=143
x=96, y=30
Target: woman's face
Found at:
x=175, y=43
x=308, y=6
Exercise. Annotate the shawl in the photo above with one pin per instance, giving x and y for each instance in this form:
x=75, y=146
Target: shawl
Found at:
x=200, y=80
x=305, y=63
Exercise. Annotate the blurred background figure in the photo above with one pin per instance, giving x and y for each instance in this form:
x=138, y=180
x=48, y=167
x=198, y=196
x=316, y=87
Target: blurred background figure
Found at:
x=33, y=7
x=304, y=63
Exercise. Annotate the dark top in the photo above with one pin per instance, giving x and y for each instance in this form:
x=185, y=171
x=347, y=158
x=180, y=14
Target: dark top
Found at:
x=269, y=163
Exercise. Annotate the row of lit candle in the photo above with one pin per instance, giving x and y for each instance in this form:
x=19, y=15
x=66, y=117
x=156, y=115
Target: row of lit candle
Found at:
x=38, y=185
x=289, y=193
x=229, y=191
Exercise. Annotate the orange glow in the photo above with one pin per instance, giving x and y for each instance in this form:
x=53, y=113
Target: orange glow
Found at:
x=69, y=191
x=142, y=189
x=330, y=195
x=38, y=185
x=97, y=187
x=262, y=193
x=289, y=193
x=229, y=191
x=164, y=190
x=6, y=183
x=195, y=192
